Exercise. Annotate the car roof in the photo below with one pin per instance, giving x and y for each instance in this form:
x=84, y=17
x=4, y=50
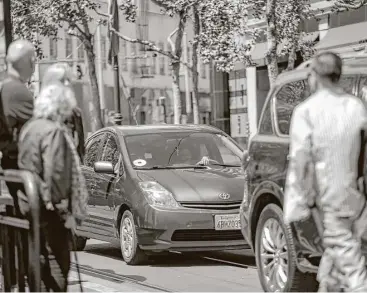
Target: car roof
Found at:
x=350, y=66
x=126, y=130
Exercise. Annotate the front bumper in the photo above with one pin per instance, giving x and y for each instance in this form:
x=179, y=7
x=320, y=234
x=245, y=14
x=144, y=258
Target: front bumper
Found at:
x=186, y=230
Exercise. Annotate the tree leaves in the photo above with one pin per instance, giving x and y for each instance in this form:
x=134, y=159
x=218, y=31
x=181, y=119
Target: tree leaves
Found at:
x=223, y=33
x=348, y=4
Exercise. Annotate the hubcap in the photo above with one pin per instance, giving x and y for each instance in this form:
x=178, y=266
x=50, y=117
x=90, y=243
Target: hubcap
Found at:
x=127, y=239
x=274, y=256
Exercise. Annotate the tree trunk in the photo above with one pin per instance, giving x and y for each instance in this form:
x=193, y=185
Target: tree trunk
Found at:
x=271, y=57
x=292, y=58
x=176, y=92
x=195, y=79
x=95, y=105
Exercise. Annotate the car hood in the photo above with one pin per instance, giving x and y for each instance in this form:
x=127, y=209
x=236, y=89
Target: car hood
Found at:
x=199, y=185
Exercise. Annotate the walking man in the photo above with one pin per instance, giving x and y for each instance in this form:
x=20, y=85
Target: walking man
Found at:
x=324, y=173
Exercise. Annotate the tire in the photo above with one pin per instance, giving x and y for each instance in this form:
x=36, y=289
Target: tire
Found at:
x=135, y=256
x=271, y=219
x=80, y=243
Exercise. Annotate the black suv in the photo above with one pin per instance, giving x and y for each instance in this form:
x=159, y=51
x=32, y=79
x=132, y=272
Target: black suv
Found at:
x=287, y=256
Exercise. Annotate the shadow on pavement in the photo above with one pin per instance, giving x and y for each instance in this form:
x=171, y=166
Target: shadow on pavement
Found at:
x=235, y=258
x=115, y=277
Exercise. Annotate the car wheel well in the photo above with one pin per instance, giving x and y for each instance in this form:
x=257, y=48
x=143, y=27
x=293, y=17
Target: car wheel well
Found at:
x=260, y=204
x=122, y=209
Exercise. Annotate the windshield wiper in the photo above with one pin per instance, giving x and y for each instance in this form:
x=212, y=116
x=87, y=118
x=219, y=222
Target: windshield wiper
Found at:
x=224, y=165
x=159, y=167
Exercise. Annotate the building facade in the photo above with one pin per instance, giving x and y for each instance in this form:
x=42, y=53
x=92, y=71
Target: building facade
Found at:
x=145, y=76
x=343, y=32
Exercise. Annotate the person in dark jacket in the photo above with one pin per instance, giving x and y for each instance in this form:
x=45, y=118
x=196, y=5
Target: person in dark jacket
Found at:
x=47, y=149
x=16, y=104
x=16, y=108
x=61, y=73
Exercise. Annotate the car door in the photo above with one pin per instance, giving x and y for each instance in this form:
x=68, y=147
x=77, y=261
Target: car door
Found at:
x=267, y=152
x=93, y=152
x=104, y=210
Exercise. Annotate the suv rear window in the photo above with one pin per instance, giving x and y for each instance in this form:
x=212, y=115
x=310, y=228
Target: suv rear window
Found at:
x=266, y=126
x=287, y=98
x=291, y=94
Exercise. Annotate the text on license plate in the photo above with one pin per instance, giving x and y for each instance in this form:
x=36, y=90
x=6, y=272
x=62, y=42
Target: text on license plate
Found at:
x=227, y=222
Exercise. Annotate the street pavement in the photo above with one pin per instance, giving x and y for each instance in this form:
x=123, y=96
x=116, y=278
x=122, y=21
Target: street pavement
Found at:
x=103, y=270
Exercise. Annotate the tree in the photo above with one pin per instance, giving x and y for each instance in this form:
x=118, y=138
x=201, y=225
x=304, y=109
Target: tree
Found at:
x=43, y=18
x=222, y=37
x=178, y=8
x=195, y=74
x=349, y=4
x=218, y=25
x=283, y=20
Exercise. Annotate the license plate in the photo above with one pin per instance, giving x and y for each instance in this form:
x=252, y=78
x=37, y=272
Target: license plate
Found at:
x=227, y=222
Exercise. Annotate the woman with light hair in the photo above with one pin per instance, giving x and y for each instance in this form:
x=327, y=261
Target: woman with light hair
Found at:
x=47, y=149
x=62, y=73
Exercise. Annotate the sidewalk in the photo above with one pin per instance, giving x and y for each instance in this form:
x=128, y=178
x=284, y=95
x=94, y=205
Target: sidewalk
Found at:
x=93, y=284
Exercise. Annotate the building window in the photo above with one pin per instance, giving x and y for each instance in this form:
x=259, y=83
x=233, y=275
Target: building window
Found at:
x=124, y=54
x=348, y=17
x=142, y=117
x=68, y=46
x=144, y=68
x=143, y=101
x=153, y=65
x=104, y=52
x=53, y=48
x=80, y=50
x=134, y=63
x=202, y=69
x=162, y=61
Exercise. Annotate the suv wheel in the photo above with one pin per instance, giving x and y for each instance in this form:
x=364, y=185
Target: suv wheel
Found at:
x=130, y=250
x=276, y=255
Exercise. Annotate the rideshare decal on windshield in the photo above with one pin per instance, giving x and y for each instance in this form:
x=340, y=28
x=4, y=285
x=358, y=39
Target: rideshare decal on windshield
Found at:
x=140, y=163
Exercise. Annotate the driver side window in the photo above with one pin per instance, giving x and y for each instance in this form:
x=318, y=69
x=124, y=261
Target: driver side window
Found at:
x=111, y=151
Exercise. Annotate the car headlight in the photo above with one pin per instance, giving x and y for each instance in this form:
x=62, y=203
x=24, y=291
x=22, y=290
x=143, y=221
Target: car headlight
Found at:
x=157, y=195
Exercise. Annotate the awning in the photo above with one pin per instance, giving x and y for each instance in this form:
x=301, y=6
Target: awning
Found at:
x=259, y=51
x=343, y=38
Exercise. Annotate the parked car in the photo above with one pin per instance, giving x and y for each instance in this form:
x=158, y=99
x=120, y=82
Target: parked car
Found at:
x=150, y=192
x=287, y=256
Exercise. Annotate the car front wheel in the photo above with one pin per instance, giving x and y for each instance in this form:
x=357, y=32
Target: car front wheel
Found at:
x=276, y=255
x=130, y=250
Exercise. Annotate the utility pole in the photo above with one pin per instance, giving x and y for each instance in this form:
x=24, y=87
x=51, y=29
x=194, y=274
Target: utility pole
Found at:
x=100, y=66
x=7, y=23
x=117, y=85
x=187, y=77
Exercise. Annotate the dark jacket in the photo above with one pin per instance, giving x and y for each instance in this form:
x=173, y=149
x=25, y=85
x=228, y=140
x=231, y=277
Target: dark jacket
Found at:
x=43, y=150
x=16, y=108
x=75, y=123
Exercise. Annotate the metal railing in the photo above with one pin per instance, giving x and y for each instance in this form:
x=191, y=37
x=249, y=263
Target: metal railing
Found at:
x=14, y=229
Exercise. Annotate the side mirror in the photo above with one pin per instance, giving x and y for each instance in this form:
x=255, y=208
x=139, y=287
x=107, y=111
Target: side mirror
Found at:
x=104, y=167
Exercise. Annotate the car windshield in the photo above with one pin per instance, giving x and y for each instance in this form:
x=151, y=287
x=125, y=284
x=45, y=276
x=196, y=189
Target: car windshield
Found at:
x=182, y=149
